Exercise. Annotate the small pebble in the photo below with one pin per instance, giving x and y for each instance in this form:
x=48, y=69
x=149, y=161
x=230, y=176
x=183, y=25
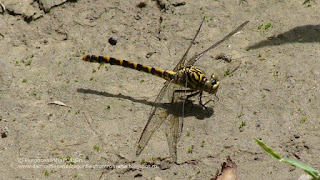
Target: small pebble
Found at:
x=113, y=41
x=141, y=4
x=137, y=17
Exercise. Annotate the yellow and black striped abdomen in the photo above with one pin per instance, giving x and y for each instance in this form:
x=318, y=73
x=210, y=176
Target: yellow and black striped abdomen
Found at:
x=167, y=75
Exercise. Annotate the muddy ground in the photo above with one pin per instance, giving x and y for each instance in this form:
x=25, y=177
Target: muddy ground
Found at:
x=274, y=90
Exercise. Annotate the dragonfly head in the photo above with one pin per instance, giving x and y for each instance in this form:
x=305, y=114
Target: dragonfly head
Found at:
x=211, y=85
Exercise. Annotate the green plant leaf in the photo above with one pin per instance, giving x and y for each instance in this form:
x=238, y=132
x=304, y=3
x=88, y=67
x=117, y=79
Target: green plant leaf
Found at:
x=268, y=149
x=312, y=172
x=309, y=170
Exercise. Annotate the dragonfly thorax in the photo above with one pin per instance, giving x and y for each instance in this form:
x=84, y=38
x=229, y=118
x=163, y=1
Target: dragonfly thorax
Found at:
x=195, y=79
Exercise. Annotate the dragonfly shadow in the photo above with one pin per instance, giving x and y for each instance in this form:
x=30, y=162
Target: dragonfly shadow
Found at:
x=300, y=34
x=190, y=109
x=100, y=93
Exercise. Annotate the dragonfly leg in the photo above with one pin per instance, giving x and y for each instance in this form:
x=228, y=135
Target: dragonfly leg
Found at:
x=211, y=100
x=216, y=96
x=193, y=94
x=200, y=100
x=182, y=91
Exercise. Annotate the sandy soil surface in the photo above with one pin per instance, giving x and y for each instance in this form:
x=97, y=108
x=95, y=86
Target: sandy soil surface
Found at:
x=274, y=91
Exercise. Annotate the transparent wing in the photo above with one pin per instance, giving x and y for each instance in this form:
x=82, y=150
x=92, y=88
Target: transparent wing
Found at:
x=153, y=123
x=176, y=113
x=175, y=119
x=196, y=58
x=183, y=59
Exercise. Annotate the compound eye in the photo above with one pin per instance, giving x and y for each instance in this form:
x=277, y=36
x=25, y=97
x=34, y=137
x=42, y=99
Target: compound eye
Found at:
x=213, y=77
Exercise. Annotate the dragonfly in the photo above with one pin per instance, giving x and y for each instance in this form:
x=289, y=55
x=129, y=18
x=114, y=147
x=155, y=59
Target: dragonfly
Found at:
x=184, y=78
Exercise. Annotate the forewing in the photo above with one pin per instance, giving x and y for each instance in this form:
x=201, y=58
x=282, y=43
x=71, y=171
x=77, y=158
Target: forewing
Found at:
x=154, y=123
x=176, y=113
x=196, y=58
x=183, y=59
